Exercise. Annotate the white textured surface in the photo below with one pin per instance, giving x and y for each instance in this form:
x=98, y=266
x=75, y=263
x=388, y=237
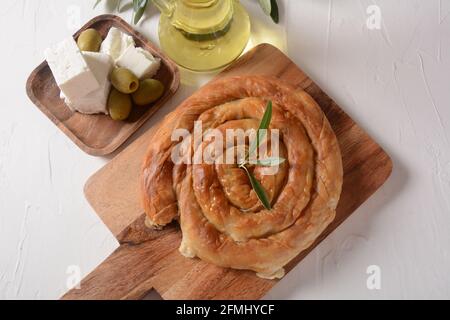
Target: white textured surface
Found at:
x=393, y=81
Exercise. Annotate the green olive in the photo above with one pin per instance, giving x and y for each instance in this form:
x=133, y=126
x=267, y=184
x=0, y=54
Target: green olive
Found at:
x=119, y=105
x=124, y=80
x=90, y=40
x=149, y=91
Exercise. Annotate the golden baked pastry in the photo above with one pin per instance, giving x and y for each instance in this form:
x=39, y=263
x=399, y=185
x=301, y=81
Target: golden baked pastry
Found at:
x=221, y=218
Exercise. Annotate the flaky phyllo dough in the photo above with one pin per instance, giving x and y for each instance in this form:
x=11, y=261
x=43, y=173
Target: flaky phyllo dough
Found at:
x=221, y=218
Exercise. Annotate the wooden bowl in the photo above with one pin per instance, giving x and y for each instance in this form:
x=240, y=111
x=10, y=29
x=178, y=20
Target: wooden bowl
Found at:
x=99, y=135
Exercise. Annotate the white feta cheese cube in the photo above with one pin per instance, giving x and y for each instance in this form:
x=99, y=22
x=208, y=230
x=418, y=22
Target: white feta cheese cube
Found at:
x=70, y=70
x=95, y=102
x=116, y=42
x=140, y=62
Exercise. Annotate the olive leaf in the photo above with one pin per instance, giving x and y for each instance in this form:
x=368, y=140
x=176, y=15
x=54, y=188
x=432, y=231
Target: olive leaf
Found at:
x=139, y=7
x=270, y=7
x=270, y=162
x=266, y=5
x=275, y=14
x=97, y=3
x=119, y=2
x=262, y=130
x=259, y=190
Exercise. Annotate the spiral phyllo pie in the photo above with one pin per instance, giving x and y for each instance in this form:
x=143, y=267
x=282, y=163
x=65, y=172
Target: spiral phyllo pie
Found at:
x=222, y=218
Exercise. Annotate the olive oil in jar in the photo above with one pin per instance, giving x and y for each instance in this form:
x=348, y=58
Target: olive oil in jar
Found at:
x=203, y=35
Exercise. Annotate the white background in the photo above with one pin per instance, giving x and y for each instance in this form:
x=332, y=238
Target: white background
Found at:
x=395, y=82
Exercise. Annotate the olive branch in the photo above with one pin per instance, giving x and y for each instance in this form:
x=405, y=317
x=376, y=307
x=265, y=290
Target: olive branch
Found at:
x=268, y=162
x=270, y=7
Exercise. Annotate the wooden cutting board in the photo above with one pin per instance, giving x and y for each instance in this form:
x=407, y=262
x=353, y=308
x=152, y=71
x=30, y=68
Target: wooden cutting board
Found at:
x=149, y=260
